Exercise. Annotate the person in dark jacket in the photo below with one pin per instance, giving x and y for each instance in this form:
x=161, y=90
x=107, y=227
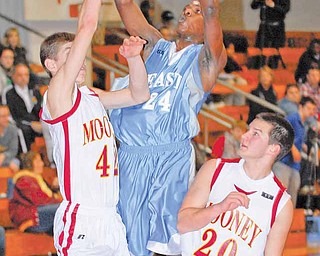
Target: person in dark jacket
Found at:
x=264, y=91
x=271, y=31
x=309, y=59
x=24, y=103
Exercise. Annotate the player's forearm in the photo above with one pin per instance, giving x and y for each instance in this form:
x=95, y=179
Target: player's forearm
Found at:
x=138, y=80
x=89, y=15
x=212, y=26
x=213, y=37
x=191, y=219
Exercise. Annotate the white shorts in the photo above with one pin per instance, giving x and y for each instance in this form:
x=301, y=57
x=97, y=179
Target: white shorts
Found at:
x=80, y=230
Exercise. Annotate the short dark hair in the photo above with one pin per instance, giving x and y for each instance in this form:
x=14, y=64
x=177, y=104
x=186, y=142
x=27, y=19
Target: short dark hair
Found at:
x=281, y=134
x=305, y=99
x=5, y=48
x=167, y=16
x=50, y=46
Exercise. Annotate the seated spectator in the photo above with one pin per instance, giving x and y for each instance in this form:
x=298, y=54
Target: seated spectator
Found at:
x=168, y=28
x=12, y=40
x=264, y=91
x=290, y=102
x=309, y=59
x=8, y=141
x=231, y=65
x=311, y=87
x=24, y=103
x=227, y=145
x=34, y=203
x=287, y=170
x=6, y=65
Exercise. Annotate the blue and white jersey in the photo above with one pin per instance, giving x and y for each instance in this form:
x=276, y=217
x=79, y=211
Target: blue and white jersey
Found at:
x=170, y=115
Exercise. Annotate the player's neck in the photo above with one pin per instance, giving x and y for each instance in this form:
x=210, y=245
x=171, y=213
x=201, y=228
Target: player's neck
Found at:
x=257, y=170
x=186, y=40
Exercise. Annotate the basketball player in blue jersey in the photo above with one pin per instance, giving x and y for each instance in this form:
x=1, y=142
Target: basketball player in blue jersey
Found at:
x=155, y=155
x=238, y=207
x=85, y=152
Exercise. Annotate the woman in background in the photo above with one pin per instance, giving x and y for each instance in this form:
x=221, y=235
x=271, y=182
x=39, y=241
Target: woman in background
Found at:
x=12, y=40
x=34, y=203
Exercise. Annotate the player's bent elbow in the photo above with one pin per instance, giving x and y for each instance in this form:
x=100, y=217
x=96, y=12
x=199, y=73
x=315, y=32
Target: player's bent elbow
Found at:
x=181, y=225
x=142, y=97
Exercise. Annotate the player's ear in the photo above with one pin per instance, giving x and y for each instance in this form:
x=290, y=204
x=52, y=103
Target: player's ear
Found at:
x=275, y=149
x=50, y=64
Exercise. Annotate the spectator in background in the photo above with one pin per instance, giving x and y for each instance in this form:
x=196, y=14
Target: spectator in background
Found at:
x=264, y=91
x=147, y=9
x=24, y=104
x=232, y=65
x=227, y=145
x=168, y=28
x=290, y=102
x=8, y=141
x=34, y=203
x=271, y=31
x=287, y=170
x=12, y=40
x=309, y=59
x=6, y=65
x=311, y=87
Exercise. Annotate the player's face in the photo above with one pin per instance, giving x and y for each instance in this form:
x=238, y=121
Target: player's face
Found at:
x=61, y=58
x=191, y=20
x=255, y=142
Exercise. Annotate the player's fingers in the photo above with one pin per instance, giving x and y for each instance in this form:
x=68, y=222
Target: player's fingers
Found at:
x=241, y=197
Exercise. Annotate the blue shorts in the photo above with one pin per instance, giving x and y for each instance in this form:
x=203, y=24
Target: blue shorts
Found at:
x=153, y=183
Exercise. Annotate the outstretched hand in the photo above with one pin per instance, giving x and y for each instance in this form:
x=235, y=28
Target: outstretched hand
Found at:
x=234, y=200
x=131, y=46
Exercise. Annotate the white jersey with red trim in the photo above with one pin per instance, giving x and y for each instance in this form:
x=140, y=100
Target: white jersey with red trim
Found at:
x=241, y=231
x=85, y=152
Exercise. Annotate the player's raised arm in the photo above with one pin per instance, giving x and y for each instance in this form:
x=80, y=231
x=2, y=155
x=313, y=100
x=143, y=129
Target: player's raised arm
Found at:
x=68, y=67
x=213, y=56
x=137, y=91
x=136, y=23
